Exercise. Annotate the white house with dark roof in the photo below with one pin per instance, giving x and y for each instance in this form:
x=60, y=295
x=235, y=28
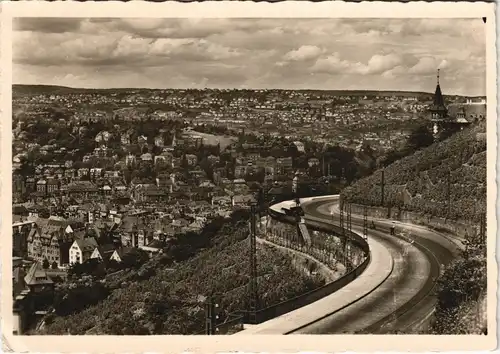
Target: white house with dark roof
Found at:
x=81, y=250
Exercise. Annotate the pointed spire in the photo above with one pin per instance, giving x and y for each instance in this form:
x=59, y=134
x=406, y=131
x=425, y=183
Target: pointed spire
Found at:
x=438, y=98
x=438, y=109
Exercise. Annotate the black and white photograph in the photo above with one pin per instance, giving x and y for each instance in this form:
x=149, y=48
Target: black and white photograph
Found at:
x=237, y=176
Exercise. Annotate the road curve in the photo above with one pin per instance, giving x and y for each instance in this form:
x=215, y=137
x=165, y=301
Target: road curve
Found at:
x=406, y=299
x=377, y=271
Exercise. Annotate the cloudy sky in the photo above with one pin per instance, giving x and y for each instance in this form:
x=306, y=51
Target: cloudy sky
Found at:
x=385, y=54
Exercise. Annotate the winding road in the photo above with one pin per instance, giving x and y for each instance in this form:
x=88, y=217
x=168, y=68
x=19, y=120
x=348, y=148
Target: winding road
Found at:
x=406, y=299
x=394, y=294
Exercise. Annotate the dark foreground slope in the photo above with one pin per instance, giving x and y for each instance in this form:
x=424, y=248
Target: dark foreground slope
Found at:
x=162, y=298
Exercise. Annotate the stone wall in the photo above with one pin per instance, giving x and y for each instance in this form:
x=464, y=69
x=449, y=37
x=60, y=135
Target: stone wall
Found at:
x=455, y=227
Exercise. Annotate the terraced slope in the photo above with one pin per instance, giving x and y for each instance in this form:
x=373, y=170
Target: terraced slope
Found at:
x=419, y=182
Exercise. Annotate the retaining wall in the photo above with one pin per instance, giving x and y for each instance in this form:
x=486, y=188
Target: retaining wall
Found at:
x=327, y=289
x=456, y=227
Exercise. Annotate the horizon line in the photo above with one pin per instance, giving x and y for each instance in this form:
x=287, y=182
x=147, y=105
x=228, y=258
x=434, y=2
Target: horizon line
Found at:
x=242, y=89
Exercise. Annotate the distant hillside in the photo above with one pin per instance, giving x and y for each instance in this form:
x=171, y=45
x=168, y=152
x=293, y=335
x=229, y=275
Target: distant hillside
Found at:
x=419, y=182
x=370, y=93
x=53, y=89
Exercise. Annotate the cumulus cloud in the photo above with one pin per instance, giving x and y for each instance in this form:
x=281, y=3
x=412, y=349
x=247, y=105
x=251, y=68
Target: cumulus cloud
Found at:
x=297, y=53
x=428, y=65
x=377, y=64
x=305, y=52
x=123, y=49
x=332, y=64
x=380, y=63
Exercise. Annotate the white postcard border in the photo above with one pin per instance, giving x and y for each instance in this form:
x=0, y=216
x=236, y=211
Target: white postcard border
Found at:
x=293, y=343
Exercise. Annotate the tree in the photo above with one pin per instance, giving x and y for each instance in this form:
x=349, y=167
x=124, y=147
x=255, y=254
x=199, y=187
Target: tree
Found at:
x=420, y=138
x=46, y=264
x=54, y=265
x=135, y=258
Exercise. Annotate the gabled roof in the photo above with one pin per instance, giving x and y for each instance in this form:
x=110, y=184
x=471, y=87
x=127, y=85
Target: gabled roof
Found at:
x=87, y=244
x=106, y=249
x=37, y=276
x=82, y=186
x=129, y=223
x=32, y=233
x=122, y=251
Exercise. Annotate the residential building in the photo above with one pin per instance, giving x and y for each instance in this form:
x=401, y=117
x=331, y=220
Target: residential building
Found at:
x=41, y=186
x=37, y=280
x=52, y=186
x=81, y=250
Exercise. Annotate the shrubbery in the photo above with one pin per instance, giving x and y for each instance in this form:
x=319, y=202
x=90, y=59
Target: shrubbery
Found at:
x=461, y=295
x=72, y=297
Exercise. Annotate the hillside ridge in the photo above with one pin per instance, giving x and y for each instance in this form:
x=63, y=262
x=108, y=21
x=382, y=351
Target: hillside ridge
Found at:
x=45, y=89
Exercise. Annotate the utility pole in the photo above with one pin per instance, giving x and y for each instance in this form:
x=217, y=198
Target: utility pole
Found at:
x=212, y=310
x=365, y=222
x=347, y=249
x=482, y=230
x=448, y=194
x=208, y=317
x=382, y=182
x=349, y=217
x=342, y=217
x=252, y=285
x=342, y=230
x=266, y=209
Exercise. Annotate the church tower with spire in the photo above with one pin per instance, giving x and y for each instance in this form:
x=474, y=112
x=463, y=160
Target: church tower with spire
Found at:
x=438, y=109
